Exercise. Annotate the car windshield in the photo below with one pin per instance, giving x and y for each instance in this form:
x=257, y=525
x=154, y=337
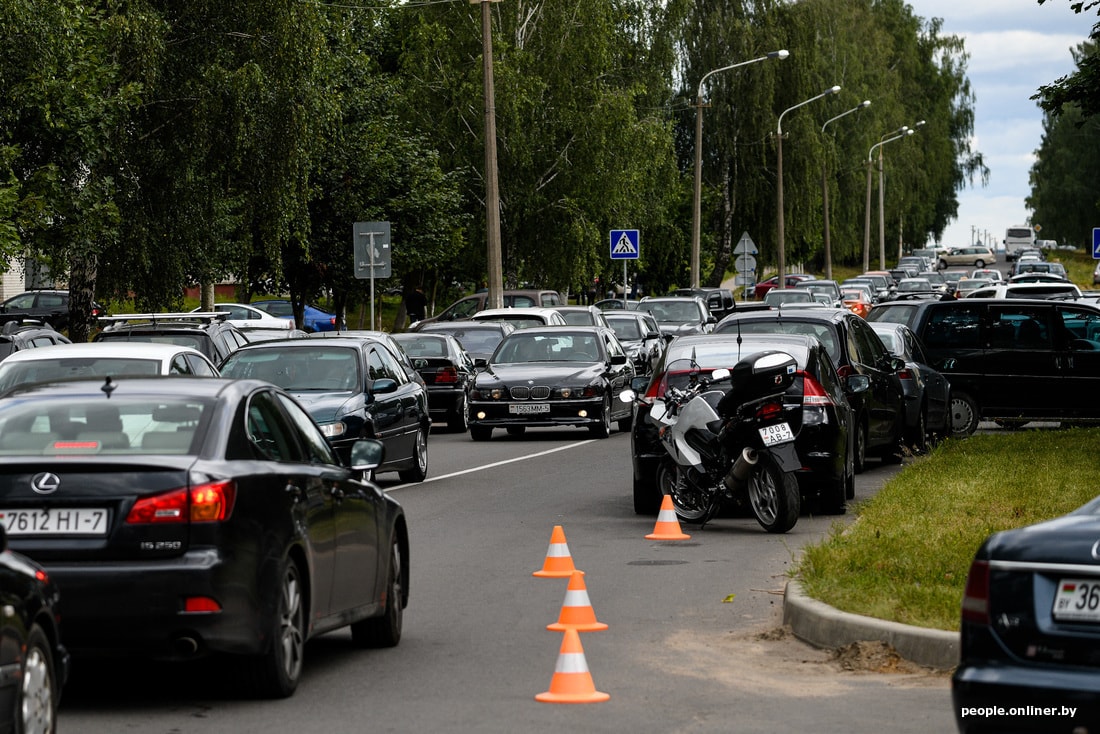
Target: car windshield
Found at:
x=578, y=318
x=677, y=312
x=565, y=347
x=199, y=340
x=322, y=368
x=626, y=329
x=48, y=370
x=276, y=308
x=91, y=425
x=423, y=346
x=823, y=331
x=482, y=341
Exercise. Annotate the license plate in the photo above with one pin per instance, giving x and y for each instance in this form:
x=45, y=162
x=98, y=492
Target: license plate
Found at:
x=1077, y=600
x=777, y=434
x=67, y=521
x=529, y=408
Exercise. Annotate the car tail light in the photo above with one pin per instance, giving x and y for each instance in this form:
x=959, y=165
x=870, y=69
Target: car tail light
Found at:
x=769, y=411
x=200, y=605
x=209, y=502
x=975, y=603
x=813, y=394
x=905, y=374
x=448, y=375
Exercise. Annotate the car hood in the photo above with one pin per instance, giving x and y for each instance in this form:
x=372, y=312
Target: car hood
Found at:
x=555, y=372
x=678, y=328
x=324, y=407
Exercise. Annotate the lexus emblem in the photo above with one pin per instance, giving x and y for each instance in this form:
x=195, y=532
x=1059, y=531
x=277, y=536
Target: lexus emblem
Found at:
x=45, y=483
x=1096, y=550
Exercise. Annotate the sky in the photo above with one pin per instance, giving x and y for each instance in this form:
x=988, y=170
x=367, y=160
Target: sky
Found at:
x=1015, y=46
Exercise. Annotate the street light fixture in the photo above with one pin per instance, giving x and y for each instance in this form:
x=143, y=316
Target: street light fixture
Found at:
x=825, y=190
x=780, y=253
x=882, y=204
x=901, y=132
x=696, y=215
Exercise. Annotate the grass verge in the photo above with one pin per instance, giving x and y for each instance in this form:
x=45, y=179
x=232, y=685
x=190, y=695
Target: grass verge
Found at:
x=906, y=555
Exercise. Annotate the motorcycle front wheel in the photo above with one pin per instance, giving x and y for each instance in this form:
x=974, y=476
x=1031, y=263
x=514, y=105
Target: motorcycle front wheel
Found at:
x=691, y=504
x=773, y=494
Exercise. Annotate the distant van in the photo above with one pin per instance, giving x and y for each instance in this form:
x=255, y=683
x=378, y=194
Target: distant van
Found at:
x=1018, y=237
x=1011, y=360
x=466, y=307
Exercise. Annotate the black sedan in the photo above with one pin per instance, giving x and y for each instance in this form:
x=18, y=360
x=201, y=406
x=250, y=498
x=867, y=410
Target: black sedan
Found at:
x=553, y=376
x=927, y=391
x=824, y=433
x=354, y=387
x=640, y=336
x=1031, y=630
x=186, y=516
x=479, y=338
x=33, y=661
x=448, y=372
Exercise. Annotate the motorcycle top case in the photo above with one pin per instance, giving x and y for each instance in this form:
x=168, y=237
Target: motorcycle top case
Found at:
x=764, y=373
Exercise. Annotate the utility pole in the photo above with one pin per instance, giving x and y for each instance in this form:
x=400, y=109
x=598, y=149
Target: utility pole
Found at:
x=495, y=297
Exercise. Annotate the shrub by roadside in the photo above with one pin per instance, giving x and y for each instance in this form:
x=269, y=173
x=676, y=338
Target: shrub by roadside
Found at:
x=905, y=556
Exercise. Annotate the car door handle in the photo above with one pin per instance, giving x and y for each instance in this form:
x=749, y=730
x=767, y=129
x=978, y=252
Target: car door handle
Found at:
x=294, y=491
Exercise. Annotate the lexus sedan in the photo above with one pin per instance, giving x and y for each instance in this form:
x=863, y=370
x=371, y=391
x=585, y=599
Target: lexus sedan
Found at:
x=183, y=517
x=1031, y=629
x=553, y=376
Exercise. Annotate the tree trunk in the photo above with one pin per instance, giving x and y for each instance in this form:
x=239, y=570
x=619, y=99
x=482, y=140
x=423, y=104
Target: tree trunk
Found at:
x=82, y=274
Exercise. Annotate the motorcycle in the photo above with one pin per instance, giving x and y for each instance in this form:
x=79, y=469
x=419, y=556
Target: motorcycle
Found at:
x=733, y=446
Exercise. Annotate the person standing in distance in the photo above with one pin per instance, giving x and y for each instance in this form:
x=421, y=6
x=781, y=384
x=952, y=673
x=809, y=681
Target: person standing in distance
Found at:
x=416, y=305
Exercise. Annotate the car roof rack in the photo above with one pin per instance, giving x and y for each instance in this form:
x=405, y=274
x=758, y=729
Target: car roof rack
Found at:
x=24, y=322
x=204, y=317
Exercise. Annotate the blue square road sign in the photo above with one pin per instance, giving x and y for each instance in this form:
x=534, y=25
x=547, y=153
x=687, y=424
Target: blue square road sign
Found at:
x=625, y=244
x=1096, y=243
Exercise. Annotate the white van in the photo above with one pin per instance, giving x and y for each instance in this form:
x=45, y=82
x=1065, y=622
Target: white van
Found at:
x=1018, y=237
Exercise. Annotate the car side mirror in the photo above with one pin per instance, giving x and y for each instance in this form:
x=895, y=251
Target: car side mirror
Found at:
x=367, y=454
x=895, y=364
x=854, y=384
x=618, y=359
x=639, y=384
x=383, y=385
x=480, y=363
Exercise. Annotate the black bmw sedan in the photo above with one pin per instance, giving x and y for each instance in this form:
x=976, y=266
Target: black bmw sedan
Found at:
x=552, y=376
x=1030, y=635
x=183, y=517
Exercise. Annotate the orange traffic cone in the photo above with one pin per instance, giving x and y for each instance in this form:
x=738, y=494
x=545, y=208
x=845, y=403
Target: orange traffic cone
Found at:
x=572, y=683
x=558, y=563
x=576, y=610
x=668, y=525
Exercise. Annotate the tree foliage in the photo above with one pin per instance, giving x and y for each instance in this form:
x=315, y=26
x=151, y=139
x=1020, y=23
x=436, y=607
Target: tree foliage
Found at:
x=1081, y=88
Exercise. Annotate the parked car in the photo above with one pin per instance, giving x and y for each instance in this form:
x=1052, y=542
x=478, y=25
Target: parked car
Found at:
x=987, y=273
x=824, y=436
x=448, y=372
x=965, y=287
x=678, y=315
x=205, y=331
x=522, y=318
x=790, y=280
x=977, y=255
x=720, y=301
x=466, y=307
x=184, y=517
x=380, y=336
x=582, y=315
x=354, y=388
x=640, y=336
x=1035, y=276
x=1015, y=360
x=818, y=286
x=101, y=360
x=857, y=301
x=617, y=304
x=51, y=306
x=1039, y=266
x=915, y=285
x=554, y=376
x=22, y=334
x=927, y=391
x=1054, y=289
x=32, y=655
x=479, y=339
x=245, y=316
x=1030, y=629
x=313, y=318
x=916, y=262
x=854, y=348
x=777, y=297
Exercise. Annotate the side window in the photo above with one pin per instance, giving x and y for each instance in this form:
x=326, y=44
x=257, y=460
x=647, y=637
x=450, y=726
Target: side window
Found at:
x=522, y=302
x=1080, y=324
x=1019, y=327
x=390, y=365
x=199, y=366
x=316, y=446
x=953, y=328
x=268, y=430
x=179, y=366
x=869, y=345
x=463, y=309
x=614, y=349
x=51, y=300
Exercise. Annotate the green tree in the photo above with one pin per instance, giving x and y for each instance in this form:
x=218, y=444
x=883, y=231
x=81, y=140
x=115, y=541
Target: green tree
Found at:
x=1081, y=88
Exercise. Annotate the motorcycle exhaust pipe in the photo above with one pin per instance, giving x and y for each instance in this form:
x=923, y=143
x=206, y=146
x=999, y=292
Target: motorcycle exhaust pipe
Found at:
x=738, y=475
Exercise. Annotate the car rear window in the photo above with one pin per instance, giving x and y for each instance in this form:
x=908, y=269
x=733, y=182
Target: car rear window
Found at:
x=49, y=370
x=323, y=368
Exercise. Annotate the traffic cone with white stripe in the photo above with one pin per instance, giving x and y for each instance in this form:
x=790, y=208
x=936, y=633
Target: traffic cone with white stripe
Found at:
x=558, y=563
x=572, y=683
x=668, y=525
x=577, y=612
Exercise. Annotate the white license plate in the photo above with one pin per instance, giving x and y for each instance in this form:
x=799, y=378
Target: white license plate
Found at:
x=1077, y=600
x=66, y=521
x=777, y=434
x=529, y=408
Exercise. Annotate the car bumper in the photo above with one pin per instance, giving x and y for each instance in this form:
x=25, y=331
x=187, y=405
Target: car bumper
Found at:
x=1004, y=698
x=561, y=413
x=442, y=401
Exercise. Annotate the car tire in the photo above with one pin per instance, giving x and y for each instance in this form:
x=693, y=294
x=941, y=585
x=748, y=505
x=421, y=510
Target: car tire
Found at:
x=385, y=630
x=459, y=420
x=480, y=433
x=964, y=415
x=275, y=673
x=979, y=263
x=603, y=428
x=36, y=709
x=943, y=264
x=419, y=470
x=859, y=452
x=917, y=437
x=647, y=499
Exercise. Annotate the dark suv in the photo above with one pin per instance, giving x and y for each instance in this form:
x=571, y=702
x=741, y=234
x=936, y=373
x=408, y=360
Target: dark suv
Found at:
x=1011, y=360
x=27, y=334
x=51, y=306
x=855, y=349
x=204, y=331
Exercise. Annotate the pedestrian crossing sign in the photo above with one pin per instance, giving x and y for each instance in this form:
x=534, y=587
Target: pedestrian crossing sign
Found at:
x=625, y=244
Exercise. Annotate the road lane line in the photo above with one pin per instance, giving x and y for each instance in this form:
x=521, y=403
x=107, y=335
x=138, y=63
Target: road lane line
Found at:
x=492, y=466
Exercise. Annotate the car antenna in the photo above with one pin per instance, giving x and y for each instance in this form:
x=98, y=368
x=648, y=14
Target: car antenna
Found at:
x=108, y=387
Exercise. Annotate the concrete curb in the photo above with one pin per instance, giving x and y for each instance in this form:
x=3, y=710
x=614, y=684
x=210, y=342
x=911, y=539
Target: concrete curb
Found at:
x=821, y=625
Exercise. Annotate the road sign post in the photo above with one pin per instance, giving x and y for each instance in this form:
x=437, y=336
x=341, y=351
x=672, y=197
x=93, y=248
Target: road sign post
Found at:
x=744, y=263
x=371, y=248
x=626, y=245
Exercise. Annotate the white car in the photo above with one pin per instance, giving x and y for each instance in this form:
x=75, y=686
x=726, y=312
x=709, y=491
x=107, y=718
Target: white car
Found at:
x=100, y=360
x=523, y=317
x=245, y=316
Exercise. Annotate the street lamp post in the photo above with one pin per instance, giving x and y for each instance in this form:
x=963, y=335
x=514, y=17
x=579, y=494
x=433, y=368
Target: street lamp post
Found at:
x=696, y=215
x=882, y=203
x=780, y=253
x=825, y=191
x=901, y=132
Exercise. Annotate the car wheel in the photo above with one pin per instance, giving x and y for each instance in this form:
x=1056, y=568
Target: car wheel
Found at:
x=979, y=263
x=480, y=433
x=37, y=706
x=647, y=498
x=964, y=415
x=917, y=436
x=385, y=631
x=275, y=673
x=943, y=265
x=459, y=419
x=420, y=459
x=860, y=452
x=603, y=428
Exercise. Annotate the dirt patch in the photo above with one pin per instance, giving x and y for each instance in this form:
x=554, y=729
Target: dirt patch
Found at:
x=874, y=657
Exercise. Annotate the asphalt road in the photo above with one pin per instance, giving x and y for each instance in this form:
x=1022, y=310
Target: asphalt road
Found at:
x=693, y=643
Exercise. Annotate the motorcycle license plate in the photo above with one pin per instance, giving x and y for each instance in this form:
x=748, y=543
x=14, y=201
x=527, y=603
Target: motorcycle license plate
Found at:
x=777, y=434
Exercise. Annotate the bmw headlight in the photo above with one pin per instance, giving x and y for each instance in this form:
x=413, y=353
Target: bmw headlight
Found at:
x=333, y=430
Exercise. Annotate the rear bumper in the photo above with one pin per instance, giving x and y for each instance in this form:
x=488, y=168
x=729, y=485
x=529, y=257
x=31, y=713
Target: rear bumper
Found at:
x=1006, y=698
